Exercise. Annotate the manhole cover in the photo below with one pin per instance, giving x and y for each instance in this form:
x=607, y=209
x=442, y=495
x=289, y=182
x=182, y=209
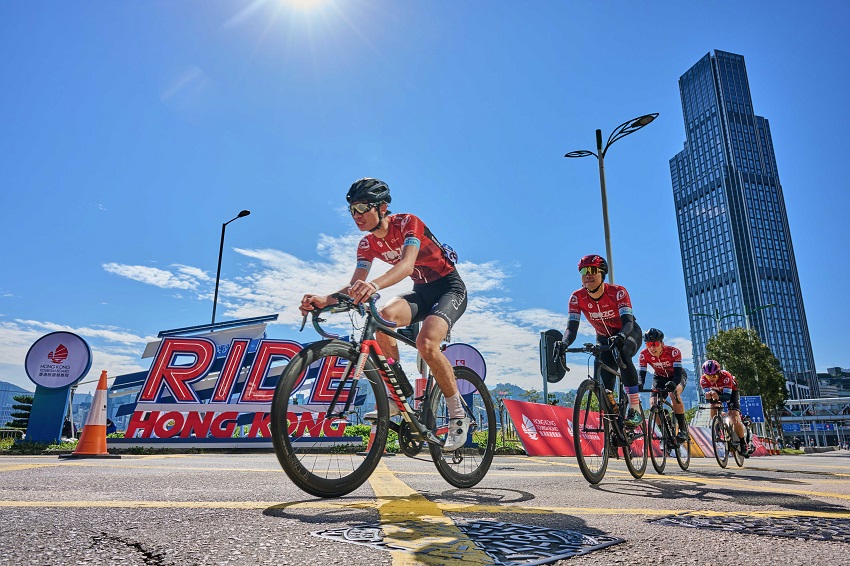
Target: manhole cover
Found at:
x=809, y=528
x=507, y=544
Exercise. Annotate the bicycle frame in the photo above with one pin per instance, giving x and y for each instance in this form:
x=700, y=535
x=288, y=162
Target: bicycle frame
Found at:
x=608, y=413
x=369, y=347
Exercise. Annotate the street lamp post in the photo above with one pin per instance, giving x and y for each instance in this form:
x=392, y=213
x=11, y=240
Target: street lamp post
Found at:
x=220, y=251
x=716, y=317
x=621, y=131
x=751, y=311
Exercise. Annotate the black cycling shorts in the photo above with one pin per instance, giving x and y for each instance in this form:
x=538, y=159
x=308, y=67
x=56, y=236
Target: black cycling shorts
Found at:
x=445, y=297
x=661, y=382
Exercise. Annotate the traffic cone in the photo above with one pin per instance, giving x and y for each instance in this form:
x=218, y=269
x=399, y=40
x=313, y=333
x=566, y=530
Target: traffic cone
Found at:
x=92, y=442
x=372, y=441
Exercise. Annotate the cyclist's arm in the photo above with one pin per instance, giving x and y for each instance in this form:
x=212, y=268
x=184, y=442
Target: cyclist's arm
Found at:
x=404, y=268
x=571, y=332
x=679, y=374
x=628, y=321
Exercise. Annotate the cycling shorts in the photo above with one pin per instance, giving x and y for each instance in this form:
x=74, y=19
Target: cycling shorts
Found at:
x=661, y=382
x=445, y=297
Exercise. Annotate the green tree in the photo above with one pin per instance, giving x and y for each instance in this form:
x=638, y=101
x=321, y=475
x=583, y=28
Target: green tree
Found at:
x=742, y=353
x=532, y=396
x=21, y=412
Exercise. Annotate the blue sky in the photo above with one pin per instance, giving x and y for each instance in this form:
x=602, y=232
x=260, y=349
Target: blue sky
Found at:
x=132, y=130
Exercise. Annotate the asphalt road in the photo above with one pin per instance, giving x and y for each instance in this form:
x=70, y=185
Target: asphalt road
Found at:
x=242, y=509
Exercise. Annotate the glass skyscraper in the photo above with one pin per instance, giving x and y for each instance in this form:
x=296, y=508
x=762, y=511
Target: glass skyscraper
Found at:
x=733, y=228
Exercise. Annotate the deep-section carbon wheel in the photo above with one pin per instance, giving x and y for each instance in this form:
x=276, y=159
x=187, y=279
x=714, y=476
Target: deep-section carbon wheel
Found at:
x=719, y=441
x=635, y=453
x=313, y=450
x=591, y=432
x=467, y=465
x=657, y=439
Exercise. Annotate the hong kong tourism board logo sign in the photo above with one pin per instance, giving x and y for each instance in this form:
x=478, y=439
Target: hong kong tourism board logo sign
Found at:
x=58, y=359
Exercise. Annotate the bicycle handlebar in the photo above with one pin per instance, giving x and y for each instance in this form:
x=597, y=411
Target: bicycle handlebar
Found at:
x=344, y=304
x=596, y=350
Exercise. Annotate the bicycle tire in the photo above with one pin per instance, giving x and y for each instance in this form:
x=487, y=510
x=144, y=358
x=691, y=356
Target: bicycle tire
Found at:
x=315, y=466
x=739, y=458
x=719, y=441
x=588, y=419
x=657, y=427
x=683, y=452
x=468, y=465
x=635, y=454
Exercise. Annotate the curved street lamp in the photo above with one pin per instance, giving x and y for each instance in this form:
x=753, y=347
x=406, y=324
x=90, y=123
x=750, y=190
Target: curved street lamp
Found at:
x=621, y=131
x=220, y=250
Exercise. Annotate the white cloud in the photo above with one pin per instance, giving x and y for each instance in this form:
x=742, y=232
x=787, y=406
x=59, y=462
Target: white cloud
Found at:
x=275, y=281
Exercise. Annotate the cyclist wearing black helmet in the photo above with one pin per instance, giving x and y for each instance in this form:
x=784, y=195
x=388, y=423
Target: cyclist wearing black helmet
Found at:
x=608, y=308
x=666, y=363
x=438, y=298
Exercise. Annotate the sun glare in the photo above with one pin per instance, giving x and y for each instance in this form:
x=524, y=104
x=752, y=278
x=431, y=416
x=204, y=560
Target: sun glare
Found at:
x=304, y=5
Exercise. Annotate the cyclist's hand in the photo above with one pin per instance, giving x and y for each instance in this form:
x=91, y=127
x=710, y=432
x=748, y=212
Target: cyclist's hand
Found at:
x=617, y=341
x=312, y=302
x=560, y=350
x=360, y=291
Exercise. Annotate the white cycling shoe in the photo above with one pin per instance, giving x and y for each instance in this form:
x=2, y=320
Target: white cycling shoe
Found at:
x=458, y=429
x=373, y=415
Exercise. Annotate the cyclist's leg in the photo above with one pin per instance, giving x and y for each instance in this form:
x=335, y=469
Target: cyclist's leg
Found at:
x=678, y=406
x=398, y=310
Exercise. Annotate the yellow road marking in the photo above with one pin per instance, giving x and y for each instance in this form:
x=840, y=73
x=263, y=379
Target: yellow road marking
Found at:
x=406, y=508
x=418, y=525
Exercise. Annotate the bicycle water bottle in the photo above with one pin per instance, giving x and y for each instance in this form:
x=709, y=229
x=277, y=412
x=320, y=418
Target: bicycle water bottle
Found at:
x=614, y=407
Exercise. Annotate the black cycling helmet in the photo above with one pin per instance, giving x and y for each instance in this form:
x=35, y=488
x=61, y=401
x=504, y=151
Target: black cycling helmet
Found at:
x=369, y=190
x=653, y=335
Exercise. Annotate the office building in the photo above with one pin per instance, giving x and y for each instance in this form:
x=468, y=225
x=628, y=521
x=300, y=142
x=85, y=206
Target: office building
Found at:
x=733, y=228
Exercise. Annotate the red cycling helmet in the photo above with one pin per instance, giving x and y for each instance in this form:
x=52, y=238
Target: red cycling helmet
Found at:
x=594, y=261
x=710, y=367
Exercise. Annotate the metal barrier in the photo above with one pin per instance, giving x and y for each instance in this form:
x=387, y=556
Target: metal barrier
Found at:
x=15, y=433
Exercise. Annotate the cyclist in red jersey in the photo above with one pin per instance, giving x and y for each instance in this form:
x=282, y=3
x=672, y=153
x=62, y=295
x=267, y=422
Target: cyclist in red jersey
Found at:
x=608, y=308
x=721, y=386
x=438, y=298
x=666, y=364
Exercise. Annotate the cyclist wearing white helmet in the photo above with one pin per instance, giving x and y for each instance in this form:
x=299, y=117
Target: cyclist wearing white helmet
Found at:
x=438, y=298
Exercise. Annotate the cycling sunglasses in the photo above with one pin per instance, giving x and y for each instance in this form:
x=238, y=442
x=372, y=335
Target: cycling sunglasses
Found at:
x=592, y=270
x=361, y=207
x=653, y=344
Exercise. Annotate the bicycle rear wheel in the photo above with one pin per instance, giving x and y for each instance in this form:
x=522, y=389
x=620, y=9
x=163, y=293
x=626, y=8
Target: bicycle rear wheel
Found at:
x=467, y=465
x=739, y=458
x=635, y=453
x=719, y=441
x=683, y=452
x=310, y=448
x=657, y=427
x=591, y=432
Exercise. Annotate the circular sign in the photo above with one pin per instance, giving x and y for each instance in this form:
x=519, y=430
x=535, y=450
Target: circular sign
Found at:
x=460, y=354
x=58, y=359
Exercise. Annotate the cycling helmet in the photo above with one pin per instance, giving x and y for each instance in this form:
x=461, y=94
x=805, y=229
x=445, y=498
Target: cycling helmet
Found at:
x=594, y=261
x=710, y=367
x=653, y=335
x=368, y=190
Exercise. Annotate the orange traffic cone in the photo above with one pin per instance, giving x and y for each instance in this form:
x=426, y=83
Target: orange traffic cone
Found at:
x=372, y=441
x=92, y=442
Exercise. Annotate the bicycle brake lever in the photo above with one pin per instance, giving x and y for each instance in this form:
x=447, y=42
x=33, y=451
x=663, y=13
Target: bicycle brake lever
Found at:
x=303, y=323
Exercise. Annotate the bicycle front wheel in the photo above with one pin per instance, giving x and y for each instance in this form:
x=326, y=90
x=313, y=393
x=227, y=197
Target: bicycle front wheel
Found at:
x=739, y=457
x=591, y=432
x=658, y=435
x=683, y=453
x=311, y=448
x=635, y=453
x=719, y=441
x=467, y=465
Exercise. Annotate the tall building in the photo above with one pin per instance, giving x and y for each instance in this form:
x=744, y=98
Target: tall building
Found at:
x=733, y=228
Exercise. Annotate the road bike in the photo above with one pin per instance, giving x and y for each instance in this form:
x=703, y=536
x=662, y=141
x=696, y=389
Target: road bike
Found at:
x=723, y=436
x=662, y=429
x=313, y=401
x=598, y=421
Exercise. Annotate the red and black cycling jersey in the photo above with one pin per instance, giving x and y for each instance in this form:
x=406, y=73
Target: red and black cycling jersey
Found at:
x=664, y=365
x=603, y=314
x=725, y=383
x=404, y=230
